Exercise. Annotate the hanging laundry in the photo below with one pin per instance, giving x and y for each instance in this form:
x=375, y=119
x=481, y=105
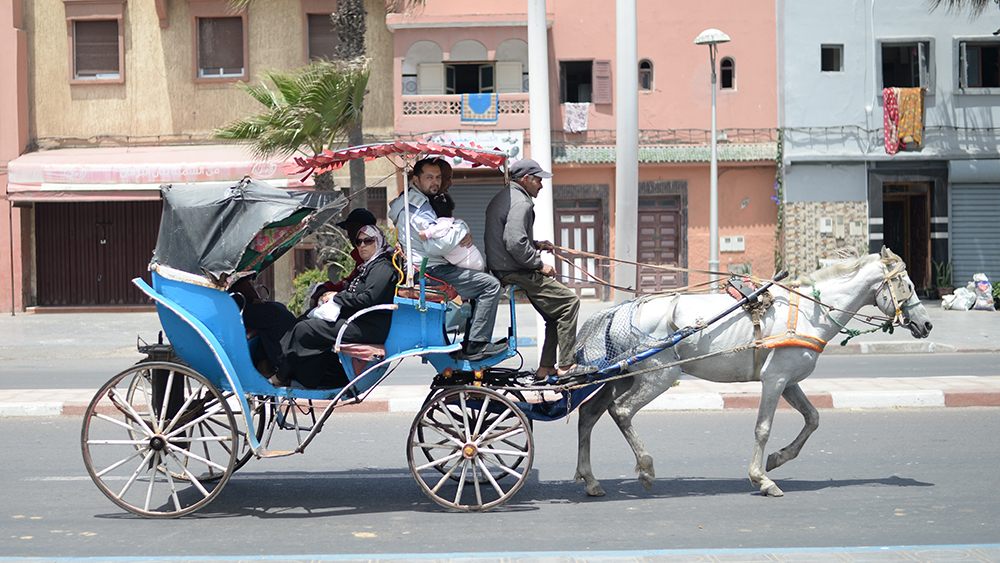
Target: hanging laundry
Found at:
x=480, y=108
x=890, y=108
x=911, y=116
x=575, y=116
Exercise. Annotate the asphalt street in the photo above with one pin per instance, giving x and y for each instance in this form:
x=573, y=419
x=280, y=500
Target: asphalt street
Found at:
x=866, y=478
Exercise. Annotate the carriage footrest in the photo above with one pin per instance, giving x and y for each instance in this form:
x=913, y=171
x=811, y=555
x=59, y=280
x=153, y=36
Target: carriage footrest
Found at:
x=277, y=453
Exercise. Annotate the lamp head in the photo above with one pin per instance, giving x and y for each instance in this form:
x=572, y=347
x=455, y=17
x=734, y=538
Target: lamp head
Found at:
x=711, y=36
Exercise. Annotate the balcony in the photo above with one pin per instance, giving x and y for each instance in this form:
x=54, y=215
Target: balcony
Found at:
x=419, y=114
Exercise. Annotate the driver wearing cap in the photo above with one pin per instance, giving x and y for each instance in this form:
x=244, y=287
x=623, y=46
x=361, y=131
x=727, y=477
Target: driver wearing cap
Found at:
x=515, y=257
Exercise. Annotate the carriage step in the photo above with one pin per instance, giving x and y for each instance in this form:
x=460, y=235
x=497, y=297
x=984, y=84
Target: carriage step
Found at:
x=277, y=453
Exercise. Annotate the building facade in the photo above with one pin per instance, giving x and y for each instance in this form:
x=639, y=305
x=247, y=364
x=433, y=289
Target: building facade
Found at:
x=447, y=60
x=845, y=183
x=116, y=97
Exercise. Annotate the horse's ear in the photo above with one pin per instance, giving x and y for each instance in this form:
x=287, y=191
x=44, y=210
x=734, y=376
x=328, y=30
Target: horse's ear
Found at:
x=885, y=252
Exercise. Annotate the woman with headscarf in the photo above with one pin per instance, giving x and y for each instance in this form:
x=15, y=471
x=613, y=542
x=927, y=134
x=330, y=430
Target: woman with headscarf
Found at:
x=307, y=350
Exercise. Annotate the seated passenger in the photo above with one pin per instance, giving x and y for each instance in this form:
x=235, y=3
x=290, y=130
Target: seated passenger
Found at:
x=267, y=320
x=307, y=350
x=356, y=219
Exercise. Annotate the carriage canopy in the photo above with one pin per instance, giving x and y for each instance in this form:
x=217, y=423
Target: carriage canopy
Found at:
x=226, y=231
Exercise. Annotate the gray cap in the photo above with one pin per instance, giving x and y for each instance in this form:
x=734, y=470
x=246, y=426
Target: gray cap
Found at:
x=527, y=167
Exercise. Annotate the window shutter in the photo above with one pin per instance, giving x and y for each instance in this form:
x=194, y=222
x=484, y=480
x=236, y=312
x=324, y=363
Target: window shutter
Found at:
x=926, y=72
x=430, y=79
x=508, y=77
x=602, y=82
x=963, y=68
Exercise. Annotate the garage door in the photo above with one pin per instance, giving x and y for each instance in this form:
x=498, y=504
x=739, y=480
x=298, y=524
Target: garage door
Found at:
x=975, y=231
x=88, y=253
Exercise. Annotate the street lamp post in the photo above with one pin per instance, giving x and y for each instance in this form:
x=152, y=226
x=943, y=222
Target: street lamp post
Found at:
x=712, y=37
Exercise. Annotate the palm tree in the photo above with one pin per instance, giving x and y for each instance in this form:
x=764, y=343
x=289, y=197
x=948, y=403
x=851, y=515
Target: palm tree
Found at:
x=305, y=111
x=974, y=7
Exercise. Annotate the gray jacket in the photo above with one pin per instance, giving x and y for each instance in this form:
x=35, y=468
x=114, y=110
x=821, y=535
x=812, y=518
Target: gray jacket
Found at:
x=510, y=241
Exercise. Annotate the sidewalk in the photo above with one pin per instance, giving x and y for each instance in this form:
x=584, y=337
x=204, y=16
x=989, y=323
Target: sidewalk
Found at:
x=111, y=335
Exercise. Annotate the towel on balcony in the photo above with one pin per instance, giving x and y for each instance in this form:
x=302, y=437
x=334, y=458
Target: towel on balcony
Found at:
x=480, y=108
x=890, y=109
x=575, y=116
x=911, y=115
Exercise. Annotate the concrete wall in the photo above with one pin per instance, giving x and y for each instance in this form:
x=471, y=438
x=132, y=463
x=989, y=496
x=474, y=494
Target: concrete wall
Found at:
x=745, y=208
x=159, y=98
x=847, y=105
x=826, y=182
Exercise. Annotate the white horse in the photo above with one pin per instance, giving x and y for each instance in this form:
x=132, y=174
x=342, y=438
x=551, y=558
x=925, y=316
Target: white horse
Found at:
x=792, y=343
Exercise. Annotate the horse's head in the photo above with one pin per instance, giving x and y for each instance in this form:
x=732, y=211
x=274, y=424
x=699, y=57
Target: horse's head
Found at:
x=895, y=297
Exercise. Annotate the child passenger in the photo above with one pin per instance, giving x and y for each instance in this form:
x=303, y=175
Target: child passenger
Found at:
x=462, y=256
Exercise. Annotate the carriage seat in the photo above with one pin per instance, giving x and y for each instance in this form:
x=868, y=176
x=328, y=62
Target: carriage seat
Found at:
x=437, y=291
x=362, y=354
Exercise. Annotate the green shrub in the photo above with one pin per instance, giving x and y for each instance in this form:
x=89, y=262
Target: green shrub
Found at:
x=301, y=284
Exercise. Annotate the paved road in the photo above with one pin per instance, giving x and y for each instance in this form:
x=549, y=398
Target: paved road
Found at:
x=872, y=478
x=90, y=373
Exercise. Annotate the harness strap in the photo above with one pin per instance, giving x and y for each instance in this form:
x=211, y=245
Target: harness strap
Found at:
x=791, y=338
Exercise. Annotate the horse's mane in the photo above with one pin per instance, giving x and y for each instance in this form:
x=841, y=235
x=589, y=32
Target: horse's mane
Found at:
x=840, y=269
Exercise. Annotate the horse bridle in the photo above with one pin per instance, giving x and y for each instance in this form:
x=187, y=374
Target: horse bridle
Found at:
x=900, y=291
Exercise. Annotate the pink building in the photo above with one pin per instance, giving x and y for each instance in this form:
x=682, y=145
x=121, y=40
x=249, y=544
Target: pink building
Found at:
x=442, y=53
x=13, y=140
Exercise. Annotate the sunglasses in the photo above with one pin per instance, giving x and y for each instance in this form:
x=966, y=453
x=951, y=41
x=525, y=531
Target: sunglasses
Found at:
x=364, y=241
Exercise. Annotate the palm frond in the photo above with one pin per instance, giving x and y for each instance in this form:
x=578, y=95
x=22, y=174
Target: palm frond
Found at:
x=973, y=7
x=310, y=108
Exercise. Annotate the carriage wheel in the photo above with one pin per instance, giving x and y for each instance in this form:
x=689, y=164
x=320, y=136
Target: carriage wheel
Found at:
x=158, y=457
x=434, y=442
x=477, y=432
x=140, y=396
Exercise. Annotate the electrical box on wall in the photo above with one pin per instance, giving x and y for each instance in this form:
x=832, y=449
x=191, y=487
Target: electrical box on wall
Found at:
x=735, y=243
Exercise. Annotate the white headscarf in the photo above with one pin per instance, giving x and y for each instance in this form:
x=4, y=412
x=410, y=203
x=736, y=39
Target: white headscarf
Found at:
x=380, y=245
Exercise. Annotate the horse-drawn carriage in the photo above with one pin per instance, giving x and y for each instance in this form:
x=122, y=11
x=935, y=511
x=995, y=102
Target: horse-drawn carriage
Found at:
x=163, y=437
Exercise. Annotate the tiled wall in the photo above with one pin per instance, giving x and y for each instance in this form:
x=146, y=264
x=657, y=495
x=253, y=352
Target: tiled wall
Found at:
x=805, y=245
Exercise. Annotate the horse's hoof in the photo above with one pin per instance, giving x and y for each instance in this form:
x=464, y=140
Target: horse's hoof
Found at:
x=646, y=472
x=595, y=490
x=771, y=490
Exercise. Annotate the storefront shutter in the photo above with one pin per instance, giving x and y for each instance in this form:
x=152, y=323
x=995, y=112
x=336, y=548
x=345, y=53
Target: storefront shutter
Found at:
x=975, y=231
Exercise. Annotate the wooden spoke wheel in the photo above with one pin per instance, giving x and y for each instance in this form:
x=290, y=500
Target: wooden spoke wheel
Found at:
x=160, y=440
x=140, y=395
x=434, y=441
x=461, y=439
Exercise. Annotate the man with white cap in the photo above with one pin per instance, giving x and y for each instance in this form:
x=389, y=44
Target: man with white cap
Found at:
x=515, y=257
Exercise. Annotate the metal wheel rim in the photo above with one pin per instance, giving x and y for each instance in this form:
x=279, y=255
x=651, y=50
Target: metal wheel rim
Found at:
x=138, y=473
x=497, y=474
x=472, y=449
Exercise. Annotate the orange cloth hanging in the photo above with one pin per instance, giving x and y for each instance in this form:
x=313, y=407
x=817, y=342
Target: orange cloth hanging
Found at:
x=911, y=115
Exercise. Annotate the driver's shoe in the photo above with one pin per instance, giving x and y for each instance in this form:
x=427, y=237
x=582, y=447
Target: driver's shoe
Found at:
x=481, y=350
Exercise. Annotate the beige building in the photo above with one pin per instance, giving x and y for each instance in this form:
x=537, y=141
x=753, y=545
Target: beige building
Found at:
x=123, y=96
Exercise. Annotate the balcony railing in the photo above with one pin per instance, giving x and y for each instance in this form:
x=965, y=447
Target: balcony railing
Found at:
x=510, y=104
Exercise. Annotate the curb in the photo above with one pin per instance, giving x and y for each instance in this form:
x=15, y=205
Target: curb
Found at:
x=675, y=401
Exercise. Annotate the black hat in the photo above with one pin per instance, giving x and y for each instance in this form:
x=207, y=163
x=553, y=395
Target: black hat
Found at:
x=357, y=218
x=527, y=167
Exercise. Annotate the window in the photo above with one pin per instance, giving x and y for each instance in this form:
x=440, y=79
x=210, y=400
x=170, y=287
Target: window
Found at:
x=96, y=50
x=221, y=47
x=645, y=74
x=323, y=38
x=905, y=65
x=585, y=81
x=831, y=58
x=96, y=42
x=727, y=74
x=576, y=81
x=468, y=78
x=979, y=64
